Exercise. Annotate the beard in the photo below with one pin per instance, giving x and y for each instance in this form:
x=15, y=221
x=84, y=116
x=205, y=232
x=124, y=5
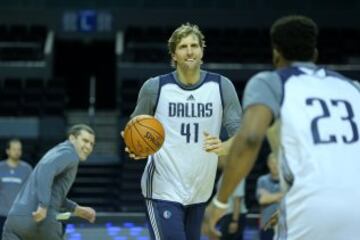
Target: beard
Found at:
x=191, y=65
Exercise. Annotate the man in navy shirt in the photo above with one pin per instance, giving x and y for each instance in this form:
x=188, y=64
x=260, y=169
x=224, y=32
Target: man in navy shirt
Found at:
x=13, y=174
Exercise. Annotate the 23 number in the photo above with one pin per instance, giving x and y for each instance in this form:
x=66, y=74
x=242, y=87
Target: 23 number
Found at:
x=349, y=118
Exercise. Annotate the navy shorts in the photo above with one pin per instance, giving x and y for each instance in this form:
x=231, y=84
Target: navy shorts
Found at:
x=174, y=221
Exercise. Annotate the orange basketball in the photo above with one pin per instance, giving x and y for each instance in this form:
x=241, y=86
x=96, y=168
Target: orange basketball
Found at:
x=144, y=135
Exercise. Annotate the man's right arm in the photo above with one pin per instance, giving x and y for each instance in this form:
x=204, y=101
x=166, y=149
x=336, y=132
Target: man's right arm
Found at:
x=260, y=109
x=273, y=137
x=46, y=173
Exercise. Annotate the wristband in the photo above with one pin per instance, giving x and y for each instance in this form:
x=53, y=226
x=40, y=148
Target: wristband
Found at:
x=219, y=204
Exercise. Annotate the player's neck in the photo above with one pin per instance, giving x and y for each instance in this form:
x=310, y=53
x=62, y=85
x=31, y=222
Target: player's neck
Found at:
x=282, y=64
x=12, y=162
x=274, y=176
x=188, y=77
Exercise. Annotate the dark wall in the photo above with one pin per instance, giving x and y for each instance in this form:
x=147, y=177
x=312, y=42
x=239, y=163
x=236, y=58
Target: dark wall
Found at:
x=209, y=13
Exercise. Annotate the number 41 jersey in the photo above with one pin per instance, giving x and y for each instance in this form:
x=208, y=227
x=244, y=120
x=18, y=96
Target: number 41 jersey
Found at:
x=320, y=149
x=182, y=171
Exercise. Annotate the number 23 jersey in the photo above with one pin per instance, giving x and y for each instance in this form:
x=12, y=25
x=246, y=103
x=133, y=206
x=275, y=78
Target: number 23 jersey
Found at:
x=319, y=151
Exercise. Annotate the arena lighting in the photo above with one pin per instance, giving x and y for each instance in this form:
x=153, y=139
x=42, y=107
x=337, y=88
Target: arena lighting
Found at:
x=87, y=21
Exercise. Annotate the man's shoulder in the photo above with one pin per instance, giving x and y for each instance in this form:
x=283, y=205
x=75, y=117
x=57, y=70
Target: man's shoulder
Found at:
x=25, y=164
x=214, y=75
x=224, y=81
x=151, y=83
x=170, y=76
x=3, y=164
x=64, y=149
x=264, y=80
x=68, y=152
x=265, y=75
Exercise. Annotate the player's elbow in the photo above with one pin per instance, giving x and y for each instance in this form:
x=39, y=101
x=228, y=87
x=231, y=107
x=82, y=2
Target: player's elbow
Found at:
x=253, y=140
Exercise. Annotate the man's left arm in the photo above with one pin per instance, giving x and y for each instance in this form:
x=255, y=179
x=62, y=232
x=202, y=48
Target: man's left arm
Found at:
x=238, y=196
x=231, y=120
x=245, y=148
x=84, y=212
x=239, y=162
x=262, y=97
x=234, y=224
x=69, y=205
x=232, y=108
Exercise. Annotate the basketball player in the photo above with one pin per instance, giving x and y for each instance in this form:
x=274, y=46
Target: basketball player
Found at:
x=33, y=214
x=192, y=104
x=319, y=132
x=13, y=174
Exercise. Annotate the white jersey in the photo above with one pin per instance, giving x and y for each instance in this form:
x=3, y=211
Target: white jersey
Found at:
x=181, y=171
x=319, y=155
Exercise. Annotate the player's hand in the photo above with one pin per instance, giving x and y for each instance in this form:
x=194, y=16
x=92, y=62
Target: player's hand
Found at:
x=233, y=227
x=272, y=221
x=212, y=216
x=131, y=154
x=213, y=144
x=40, y=214
x=87, y=213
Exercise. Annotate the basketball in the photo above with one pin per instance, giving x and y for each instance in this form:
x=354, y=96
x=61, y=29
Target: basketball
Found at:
x=144, y=135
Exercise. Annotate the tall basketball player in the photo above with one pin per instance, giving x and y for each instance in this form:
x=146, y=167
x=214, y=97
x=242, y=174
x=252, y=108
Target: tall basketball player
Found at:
x=319, y=113
x=178, y=180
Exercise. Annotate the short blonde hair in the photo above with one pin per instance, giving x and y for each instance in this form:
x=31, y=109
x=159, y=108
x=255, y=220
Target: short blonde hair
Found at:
x=182, y=32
